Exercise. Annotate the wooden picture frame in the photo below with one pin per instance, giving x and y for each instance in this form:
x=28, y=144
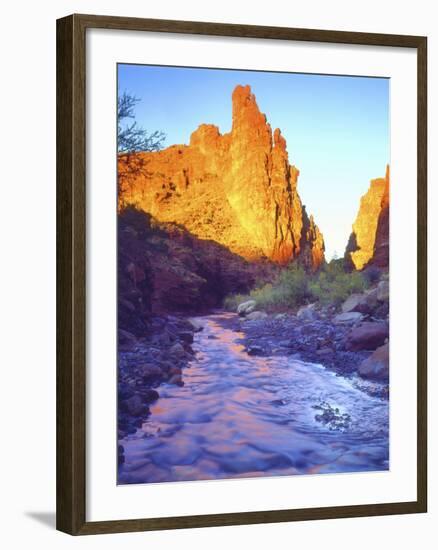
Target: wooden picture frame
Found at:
x=71, y=273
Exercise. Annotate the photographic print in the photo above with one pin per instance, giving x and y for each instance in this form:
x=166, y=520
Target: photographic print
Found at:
x=253, y=274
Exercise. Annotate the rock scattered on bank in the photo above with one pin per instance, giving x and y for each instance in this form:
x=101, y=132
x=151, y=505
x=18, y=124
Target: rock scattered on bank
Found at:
x=352, y=341
x=376, y=367
x=145, y=363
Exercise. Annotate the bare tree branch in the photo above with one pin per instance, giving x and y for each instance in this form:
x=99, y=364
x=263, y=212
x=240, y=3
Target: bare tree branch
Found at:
x=130, y=137
x=132, y=141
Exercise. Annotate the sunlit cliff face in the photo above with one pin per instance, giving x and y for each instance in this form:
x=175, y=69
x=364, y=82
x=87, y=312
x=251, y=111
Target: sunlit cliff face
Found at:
x=237, y=189
x=369, y=242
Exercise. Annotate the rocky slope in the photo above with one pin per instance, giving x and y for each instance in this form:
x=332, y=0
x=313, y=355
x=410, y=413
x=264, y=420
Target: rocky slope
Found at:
x=369, y=241
x=237, y=189
x=162, y=269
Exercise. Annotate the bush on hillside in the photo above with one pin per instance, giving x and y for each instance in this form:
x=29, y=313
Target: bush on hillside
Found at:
x=332, y=285
x=294, y=287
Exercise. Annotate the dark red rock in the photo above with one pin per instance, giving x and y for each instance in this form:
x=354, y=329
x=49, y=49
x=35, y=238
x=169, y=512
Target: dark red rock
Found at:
x=150, y=373
x=150, y=395
x=376, y=366
x=174, y=370
x=186, y=337
x=134, y=406
x=176, y=379
x=367, y=336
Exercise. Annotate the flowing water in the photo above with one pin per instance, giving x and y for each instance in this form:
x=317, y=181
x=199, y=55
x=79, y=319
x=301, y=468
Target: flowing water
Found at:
x=244, y=416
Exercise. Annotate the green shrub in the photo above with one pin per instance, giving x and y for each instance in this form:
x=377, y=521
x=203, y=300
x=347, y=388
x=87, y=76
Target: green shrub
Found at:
x=289, y=290
x=294, y=287
x=332, y=285
x=372, y=274
x=233, y=300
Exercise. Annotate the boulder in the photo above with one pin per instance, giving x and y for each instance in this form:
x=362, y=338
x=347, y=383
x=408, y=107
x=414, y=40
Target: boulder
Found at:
x=176, y=379
x=383, y=291
x=174, y=370
x=246, y=307
x=120, y=455
x=325, y=352
x=362, y=303
x=255, y=350
x=150, y=373
x=126, y=304
x=382, y=311
x=350, y=317
x=281, y=316
x=149, y=395
x=256, y=316
x=307, y=313
x=367, y=336
x=196, y=325
x=134, y=406
x=177, y=350
x=163, y=339
x=376, y=366
x=370, y=297
x=186, y=336
x=124, y=391
x=126, y=337
x=165, y=366
x=352, y=302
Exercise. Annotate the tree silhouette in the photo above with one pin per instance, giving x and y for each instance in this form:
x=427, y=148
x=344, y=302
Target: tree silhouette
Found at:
x=130, y=137
x=132, y=141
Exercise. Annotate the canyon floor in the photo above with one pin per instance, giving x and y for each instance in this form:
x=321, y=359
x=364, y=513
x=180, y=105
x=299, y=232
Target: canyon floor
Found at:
x=210, y=394
x=221, y=396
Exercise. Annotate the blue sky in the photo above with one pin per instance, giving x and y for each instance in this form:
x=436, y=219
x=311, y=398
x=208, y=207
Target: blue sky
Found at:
x=336, y=127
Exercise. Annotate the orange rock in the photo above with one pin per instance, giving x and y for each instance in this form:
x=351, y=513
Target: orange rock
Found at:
x=381, y=244
x=369, y=241
x=237, y=189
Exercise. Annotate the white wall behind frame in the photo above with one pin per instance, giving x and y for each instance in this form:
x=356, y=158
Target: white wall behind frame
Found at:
x=28, y=275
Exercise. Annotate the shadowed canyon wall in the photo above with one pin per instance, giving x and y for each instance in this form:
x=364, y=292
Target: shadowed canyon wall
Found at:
x=369, y=241
x=163, y=268
x=237, y=189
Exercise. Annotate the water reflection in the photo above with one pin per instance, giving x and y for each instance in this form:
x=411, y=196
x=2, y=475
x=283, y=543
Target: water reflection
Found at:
x=242, y=416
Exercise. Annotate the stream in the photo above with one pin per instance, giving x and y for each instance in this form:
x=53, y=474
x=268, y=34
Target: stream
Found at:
x=246, y=416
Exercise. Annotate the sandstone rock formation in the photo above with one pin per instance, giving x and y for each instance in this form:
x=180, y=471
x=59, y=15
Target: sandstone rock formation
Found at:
x=369, y=241
x=381, y=244
x=237, y=189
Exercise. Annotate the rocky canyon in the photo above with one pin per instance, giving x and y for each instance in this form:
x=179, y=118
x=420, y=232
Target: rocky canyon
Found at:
x=231, y=324
x=237, y=189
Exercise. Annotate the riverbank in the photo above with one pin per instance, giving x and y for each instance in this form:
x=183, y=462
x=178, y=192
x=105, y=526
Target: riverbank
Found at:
x=242, y=415
x=162, y=354
x=144, y=363
x=316, y=340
